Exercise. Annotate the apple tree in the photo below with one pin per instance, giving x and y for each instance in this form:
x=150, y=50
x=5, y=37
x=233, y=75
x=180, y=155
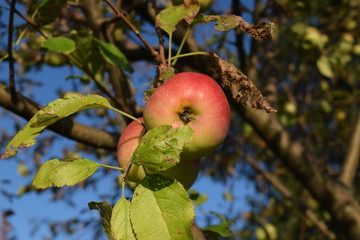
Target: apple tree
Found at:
x=159, y=92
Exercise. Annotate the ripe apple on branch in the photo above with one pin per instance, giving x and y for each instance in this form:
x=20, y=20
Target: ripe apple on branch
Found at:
x=185, y=172
x=186, y=99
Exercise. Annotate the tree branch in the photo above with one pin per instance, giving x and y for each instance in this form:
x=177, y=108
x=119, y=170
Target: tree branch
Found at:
x=302, y=207
x=352, y=157
x=10, y=52
x=123, y=93
x=331, y=194
x=135, y=30
x=66, y=127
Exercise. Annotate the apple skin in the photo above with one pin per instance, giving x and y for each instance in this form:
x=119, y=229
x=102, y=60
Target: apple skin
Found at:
x=185, y=172
x=194, y=100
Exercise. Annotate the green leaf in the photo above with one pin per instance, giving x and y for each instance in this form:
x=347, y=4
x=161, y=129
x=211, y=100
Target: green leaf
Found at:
x=113, y=55
x=148, y=93
x=87, y=51
x=197, y=198
x=160, y=209
x=104, y=209
x=223, y=228
x=54, y=111
x=60, y=173
x=59, y=44
x=219, y=229
x=324, y=67
x=120, y=221
x=160, y=147
x=168, y=18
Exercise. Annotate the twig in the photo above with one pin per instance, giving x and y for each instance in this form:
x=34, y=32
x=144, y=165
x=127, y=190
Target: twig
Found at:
x=135, y=30
x=319, y=224
x=71, y=58
x=159, y=34
x=29, y=21
x=236, y=6
x=352, y=157
x=10, y=52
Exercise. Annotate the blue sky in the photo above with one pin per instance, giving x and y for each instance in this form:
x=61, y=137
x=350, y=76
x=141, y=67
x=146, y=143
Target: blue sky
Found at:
x=34, y=208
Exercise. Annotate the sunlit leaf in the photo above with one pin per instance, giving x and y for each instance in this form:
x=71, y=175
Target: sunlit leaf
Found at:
x=120, y=221
x=22, y=169
x=324, y=67
x=113, y=55
x=59, y=44
x=160, y=148
x=219, y=229
x=197, y=198
x=104, y=209
x=160, y=209
x=168, y=18
x=53, y=112
x=60, y=173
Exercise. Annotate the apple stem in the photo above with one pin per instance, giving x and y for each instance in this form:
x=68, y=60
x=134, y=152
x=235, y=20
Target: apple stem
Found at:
x=190, y=54
x=112, y=167
x=129, y=116
x=182, y=44
x=122, y=188
x=169, y=53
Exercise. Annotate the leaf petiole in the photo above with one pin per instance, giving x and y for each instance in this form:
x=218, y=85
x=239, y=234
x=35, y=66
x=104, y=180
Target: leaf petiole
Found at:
x=169, y=53
x=128, y=115
x=190, y=54
x=182, y=44
x=109, y=166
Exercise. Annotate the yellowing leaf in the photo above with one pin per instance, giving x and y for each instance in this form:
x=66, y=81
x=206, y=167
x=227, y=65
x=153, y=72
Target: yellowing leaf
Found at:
x=168, y=18
x=60, y=173
x=324, y=67
x=53, y=112
x=160, y=147
x=120, y=221
x=161, y=210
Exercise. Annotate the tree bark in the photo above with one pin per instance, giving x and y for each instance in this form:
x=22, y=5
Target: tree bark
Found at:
x=66, y=127
x=329, y=192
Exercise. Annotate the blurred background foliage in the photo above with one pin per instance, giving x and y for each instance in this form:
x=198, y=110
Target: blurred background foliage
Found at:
x=309, y=72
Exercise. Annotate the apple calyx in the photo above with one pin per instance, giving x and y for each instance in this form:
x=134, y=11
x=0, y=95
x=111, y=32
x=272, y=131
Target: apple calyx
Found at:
x=186, y=115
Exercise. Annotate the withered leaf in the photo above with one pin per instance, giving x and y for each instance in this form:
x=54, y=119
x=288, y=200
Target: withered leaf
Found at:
x=193, y=9
x=261, y=31
x=165, y=72
x=240, y=86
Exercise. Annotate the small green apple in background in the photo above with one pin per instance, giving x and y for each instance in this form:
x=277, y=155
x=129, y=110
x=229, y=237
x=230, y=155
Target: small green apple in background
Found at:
x=185, y=172
x=54, y=59
x=194, y=100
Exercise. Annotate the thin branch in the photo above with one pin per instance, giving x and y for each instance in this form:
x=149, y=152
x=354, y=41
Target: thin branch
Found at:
x=135, y=30
x=29, y=21
x=10, y=52
x=236, y=7
x=73, y=60
x=352, y=157
x=309, y=214
x=331, y=194
x=66, y=127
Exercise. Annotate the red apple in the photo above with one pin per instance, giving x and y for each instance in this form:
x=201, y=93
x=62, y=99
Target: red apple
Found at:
x=185, y=172
x=194, y=100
